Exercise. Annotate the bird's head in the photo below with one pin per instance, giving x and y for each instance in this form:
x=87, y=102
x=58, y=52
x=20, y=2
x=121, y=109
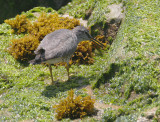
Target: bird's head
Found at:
x=83, y=34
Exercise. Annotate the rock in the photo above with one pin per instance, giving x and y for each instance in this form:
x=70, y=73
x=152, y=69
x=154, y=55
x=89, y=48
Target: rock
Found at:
x=82, y=22
x=148, y=116
x=116, y=13
x=143, y=119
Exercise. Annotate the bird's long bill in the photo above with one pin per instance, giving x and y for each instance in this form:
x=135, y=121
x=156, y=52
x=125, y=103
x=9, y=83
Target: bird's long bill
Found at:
x=97, y=42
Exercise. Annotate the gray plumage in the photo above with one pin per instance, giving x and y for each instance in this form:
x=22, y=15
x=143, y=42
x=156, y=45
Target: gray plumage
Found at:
x=59, y=46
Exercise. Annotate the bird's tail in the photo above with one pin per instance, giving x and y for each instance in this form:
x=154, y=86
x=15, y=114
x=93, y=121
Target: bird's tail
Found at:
x=32, y=62
x=40, y=57
x=35, y=61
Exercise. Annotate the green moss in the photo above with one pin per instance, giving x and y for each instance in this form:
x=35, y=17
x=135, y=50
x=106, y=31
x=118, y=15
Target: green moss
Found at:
x=131, y=110
x=41, y=9
x=128, y=75
x=133, y=61
x=137, y=69
x=157, y=115
x=109, y=115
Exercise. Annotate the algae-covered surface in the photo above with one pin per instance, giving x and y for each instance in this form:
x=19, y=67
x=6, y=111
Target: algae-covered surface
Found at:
x=125, y=79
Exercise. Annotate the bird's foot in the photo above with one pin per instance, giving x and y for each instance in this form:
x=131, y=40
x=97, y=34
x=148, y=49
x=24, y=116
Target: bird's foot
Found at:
x=55, y=83
x=69, y=79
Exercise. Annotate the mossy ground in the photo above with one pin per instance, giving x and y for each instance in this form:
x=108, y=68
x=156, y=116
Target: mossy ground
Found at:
x=127, y=75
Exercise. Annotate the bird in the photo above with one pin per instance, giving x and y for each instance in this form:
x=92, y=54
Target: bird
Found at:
x=60, y=45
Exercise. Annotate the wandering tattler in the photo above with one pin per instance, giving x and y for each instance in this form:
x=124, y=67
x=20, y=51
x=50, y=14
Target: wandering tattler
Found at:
x=60, y=45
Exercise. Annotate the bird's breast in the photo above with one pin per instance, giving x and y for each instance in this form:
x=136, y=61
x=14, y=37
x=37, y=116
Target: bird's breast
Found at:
x=57, y=60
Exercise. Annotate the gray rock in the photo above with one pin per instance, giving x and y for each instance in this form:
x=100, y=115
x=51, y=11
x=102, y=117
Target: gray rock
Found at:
x=82, y=22
x=148, y=116
x=143, y=119
x=116, y=13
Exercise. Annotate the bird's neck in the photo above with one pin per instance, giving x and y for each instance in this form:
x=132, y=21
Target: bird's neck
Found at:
x=78, y=37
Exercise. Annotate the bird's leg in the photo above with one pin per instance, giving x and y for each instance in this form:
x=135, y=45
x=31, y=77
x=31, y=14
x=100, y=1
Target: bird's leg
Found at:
x=67, y=67
x=50, y=69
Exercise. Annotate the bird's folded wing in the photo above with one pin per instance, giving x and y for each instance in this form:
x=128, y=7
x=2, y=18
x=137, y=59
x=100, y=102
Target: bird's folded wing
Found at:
x=64, y=49
x=52, y=40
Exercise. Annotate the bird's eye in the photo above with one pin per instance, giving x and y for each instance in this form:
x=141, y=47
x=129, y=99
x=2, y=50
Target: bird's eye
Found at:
x=87, y=33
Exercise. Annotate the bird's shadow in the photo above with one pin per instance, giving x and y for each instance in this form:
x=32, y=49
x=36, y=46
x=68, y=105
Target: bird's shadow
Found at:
x=74, y=82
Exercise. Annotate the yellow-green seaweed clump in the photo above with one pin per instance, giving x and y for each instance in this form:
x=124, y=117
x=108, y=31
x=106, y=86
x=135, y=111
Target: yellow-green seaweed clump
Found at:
x=74, y=107
x=47, y=23
x=23, y=48
x=20, y=24
x=84, y=53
